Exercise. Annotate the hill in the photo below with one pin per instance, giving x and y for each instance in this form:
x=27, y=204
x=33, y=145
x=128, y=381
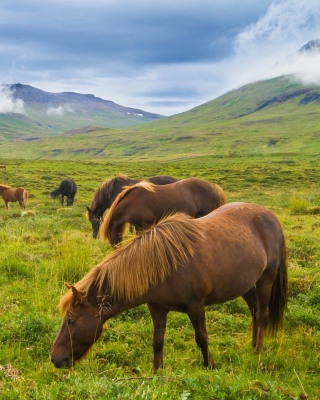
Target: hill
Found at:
x=42, y=114
x=276, y=115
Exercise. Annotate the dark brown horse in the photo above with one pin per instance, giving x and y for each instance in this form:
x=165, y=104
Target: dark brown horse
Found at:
x=3, y=166
x=144, y=204
x=11, y=195
x=68, y=188
x=182, y=264
x=105, y=195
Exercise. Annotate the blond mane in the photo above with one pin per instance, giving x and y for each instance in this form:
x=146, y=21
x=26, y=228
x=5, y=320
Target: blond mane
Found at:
x=131, y=270
x=5, y=186
x=127, y=189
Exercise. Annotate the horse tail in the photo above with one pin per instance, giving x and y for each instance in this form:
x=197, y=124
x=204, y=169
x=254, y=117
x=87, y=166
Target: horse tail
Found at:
x=279, y=294
x=25, y=198
x=222, y=199
x=55, y=193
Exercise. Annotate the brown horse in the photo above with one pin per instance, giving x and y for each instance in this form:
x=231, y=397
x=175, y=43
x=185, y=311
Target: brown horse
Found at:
x=3, y=166
x=144, y=204
x=105, y=195
x=11, y=195
x=182, y=264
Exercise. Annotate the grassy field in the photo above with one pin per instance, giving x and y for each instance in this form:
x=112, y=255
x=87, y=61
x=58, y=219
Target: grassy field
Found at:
x=51, y=245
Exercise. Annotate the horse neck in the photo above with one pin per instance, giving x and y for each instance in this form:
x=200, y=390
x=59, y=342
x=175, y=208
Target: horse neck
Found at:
x=118, y=187
x=3, y=189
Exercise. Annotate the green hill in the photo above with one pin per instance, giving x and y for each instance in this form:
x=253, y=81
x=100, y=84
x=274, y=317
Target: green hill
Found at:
x=49, y=114
x=271, y=116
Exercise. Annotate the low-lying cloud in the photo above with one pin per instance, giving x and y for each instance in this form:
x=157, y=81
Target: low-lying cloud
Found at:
x=8, y=104
x=59, y=111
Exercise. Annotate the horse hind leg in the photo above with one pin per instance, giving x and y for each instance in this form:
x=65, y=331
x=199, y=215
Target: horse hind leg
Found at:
x=263, y=289
x=198, y=319
x=251, y=299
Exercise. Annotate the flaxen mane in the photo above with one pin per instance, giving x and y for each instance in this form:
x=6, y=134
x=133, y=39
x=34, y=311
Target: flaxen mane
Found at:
x=221, y=194
x=144, y=262
x=104, y=192
x=105, y=225
x=5, y=186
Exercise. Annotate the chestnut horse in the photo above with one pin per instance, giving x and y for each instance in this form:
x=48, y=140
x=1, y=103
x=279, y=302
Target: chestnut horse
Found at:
x=67, y=188
x=144, y=204
x=11, y=195
x=105, y=195
x=182, y=264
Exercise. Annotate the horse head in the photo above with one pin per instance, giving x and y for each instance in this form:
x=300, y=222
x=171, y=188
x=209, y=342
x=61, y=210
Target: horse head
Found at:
x=80, y=329
x=95, y=222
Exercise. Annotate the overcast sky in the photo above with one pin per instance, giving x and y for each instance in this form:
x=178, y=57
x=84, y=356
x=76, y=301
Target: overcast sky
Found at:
x=163, y=56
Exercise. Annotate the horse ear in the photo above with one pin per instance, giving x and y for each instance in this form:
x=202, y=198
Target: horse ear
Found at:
x=67, y=285
x=76, y=293
x=88, y=209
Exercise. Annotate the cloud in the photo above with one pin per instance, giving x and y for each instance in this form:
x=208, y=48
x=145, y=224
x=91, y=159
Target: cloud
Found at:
x=59, y=111
x=8, y=104
x=269, y=47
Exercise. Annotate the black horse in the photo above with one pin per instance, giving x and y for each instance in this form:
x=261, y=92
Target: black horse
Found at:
x=67, y=188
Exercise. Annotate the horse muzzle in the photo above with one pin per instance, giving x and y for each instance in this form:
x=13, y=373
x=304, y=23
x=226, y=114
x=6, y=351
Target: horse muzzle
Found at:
x=60, y=362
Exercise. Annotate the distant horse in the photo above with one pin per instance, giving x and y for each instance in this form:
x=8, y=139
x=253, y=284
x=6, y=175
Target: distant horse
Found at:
x=105, y=195
x=11, y=195
x=182, y=264
x=67, y=188
x=3, y=166
x=144, y=204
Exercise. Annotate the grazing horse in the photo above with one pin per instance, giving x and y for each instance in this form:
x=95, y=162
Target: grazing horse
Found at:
x=67, y=188
x=11, y=195
x=182, y=264
x=144, y=204
x=105, y=195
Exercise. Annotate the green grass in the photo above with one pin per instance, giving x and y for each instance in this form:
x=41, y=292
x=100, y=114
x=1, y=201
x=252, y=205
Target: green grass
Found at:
x=51, y=245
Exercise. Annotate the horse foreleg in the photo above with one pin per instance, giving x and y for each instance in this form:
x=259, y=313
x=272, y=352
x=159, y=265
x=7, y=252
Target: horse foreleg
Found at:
x=159, y=319
x=198, y=319
x=251, y=299
x=7, y=204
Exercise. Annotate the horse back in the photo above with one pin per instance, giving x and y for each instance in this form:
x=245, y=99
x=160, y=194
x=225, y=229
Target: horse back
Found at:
x=242, y=242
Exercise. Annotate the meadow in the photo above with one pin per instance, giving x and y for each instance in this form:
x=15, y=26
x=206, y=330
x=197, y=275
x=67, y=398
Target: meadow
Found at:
x=51, y=245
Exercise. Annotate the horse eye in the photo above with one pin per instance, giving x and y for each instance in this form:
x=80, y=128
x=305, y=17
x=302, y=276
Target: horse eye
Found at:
x=71, y=321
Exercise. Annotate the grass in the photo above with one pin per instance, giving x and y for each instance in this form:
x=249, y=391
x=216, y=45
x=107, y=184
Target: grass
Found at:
x=51, y=245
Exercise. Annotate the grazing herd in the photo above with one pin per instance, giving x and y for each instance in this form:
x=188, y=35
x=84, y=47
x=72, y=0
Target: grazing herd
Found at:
x=191, y=249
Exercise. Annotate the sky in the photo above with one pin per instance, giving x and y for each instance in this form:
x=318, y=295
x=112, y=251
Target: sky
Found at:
x=164, y=56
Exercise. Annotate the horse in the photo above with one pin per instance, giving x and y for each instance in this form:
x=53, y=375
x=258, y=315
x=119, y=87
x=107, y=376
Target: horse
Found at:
x=67, y=188
x=182, y=264
x=105, y=195
x=3, y=166
x=143, y=204
x=11, y=195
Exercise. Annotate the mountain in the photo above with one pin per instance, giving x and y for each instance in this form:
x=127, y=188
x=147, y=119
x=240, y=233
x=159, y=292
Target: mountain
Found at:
x=278, y=115
x=312, y=45
x=43, y=114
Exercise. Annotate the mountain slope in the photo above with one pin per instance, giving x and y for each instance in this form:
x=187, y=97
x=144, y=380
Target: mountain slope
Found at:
x=277, y=115
x=54, y=113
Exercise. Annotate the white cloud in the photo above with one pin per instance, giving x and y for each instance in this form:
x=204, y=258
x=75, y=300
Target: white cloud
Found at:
x=8, y=104
x=261, y=48
x=59, y=111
